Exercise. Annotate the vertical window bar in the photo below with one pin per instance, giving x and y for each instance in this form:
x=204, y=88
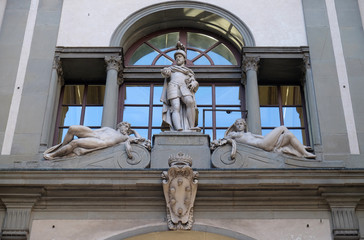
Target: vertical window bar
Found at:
x=213, y=112
x=150, y=111
x=83, y=109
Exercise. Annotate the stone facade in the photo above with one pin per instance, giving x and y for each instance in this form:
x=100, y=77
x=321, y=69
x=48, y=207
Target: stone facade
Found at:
x=257, y=195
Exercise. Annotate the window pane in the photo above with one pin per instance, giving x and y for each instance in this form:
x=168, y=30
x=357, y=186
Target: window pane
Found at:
x=171, y=54
x=202, y=61
x=136, y=116
x=293, y=116
x=209, y=132
x=268, y=95
x=165, y=41
x=269, y=116
x=156, y=131
x=208, y=117
x=137, y=95
x=300, y=135
x=143, y=132
x=204, y=95
x=220, y=133
x=73, y=94
x=157, y=117
x=192, y=54
x=95, y=94
x=225, y=119
x=61, y=134
x=291, y=95
x=266, y=131
x=228, y=95
x=157, y=93
x=93, y=116
x=163, y=61
x=221, y=55
x=200, y=41
x=70, y=116
x=144, y=55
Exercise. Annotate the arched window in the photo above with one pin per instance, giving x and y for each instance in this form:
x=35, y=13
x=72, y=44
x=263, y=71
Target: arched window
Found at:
x=203, y=49
x=216, y=64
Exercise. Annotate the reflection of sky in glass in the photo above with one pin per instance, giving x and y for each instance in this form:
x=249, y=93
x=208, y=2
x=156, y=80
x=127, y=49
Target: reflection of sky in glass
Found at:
x=137, y=116
x=220, y=133
x=142, y=132
x=202, y=61
x=228, y=95
x=291, y=117
x=157, y=93
x=163, y=61
x=204, y=95
x=137, y=95
x=270, y=116
x=208, y=117
x=73, y=116
x=157, y=116
x=208, y=131
x=192, y=54
x=223, y=119
x=156, y=131
x=93, y=116
x=146, y=59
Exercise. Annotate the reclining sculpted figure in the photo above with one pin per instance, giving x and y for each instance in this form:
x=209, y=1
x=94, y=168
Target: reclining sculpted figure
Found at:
x=91, y=140
x=279, y=139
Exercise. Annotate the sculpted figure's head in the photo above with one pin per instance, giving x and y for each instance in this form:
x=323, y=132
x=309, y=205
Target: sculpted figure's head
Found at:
x=240, y=125
x=124, y=128
x=180, y=54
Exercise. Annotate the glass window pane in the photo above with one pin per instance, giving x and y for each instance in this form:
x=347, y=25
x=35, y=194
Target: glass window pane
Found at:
x=208, y=131
x=221, y=55
x=220, y=133
x=157, y=93
x=266, y=131
x=268, y=95
x=208, y=117
x=163, y=61
x=93, y=116
x=156, y=131
x=61, y=134
x=171, y=54
x=204, y=95
x=165, y=41
x=73, y=94
x=192, y=54
x=229, y=95
x=136, y=116
x=144, y=55
x=300, y=135
x=226, y=119
x=202, y=61
x=291, y=95
x=269, y=116
x=95, y=94
x=157, y=117
x=293, y=116
x=143, y=132
x=137, y=94
x=200, y=41
x=70, y=116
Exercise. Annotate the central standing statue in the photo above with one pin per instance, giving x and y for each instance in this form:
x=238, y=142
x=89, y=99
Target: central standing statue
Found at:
x=179, y=106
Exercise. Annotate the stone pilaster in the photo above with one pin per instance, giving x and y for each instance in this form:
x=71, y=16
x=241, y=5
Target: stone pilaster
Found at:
x=250, y=67
x=109, y=114
x=54, y=87
x=18, y=212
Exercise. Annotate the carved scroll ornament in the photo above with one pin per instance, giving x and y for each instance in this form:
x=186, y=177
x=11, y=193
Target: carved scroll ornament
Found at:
x=180, y=187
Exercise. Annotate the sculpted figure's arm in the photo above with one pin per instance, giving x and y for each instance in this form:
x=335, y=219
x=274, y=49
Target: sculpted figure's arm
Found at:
x=166, y=72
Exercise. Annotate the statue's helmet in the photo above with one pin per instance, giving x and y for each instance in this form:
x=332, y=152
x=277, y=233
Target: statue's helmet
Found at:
x=180, y=50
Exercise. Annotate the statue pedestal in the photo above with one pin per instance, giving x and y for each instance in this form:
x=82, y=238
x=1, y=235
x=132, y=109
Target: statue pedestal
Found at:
x=194, y=144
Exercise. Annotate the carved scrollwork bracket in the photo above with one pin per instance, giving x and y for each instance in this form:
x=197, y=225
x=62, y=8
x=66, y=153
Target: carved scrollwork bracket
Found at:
x=113, y=62
x=180, y=188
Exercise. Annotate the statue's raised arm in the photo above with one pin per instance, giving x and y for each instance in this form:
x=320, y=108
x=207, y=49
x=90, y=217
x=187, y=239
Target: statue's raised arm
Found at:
x=178, y=95
x=279, y=139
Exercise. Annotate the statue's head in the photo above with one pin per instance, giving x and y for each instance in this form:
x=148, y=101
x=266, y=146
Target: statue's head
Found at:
x=240, y=124
x=124, y=128
x=181, y=52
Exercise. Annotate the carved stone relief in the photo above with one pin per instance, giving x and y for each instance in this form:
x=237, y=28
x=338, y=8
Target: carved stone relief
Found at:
x=180, y=187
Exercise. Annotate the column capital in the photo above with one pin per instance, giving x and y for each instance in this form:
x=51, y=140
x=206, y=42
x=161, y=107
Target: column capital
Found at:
x=57, y=65
x=250, y=63
x=113, y=62
x=306, y=62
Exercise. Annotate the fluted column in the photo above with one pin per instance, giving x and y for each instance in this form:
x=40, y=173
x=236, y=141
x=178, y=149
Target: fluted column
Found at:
x=56, y=79
x=109, y=114
x=250, y=67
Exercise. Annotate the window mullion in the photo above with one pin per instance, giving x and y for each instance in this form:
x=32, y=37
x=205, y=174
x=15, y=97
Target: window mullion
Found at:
x=150, y=111
x=213, y=112
x=83, y=109
x=280, y=105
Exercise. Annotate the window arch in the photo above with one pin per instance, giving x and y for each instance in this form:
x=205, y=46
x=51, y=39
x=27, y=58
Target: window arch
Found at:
x=203, y=48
